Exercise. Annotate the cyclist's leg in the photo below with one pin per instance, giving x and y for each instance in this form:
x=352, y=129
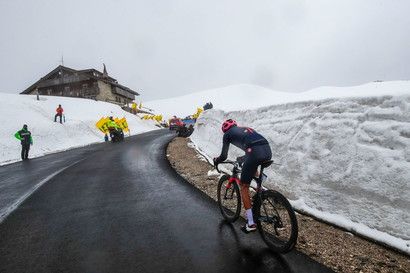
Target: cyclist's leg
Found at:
x=254, y=157
x=262, y=153
x=248, y=170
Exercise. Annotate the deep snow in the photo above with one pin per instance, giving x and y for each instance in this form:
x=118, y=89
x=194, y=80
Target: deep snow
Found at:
x=49, y=136
x=344, y=152
x=244, y=96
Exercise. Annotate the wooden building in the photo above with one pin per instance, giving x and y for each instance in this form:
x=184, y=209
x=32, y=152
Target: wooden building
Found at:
x=88, y=83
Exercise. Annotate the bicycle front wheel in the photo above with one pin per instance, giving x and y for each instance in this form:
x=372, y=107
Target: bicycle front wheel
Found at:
x=277, y=222
x=229, y=199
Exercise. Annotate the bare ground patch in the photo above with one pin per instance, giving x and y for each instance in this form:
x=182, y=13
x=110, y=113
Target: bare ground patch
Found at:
x=333, y=247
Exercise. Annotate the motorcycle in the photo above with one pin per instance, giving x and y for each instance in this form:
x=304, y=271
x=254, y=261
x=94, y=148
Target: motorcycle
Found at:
x=116, y=134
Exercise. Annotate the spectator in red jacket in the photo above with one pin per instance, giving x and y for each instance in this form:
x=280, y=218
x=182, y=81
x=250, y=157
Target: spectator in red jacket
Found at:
x=59, y=111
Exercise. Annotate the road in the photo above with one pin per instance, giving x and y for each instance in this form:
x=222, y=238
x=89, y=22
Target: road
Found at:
x=122, y=208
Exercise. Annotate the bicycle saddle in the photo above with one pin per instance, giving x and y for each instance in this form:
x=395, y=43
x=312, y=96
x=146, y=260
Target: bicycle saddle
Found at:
x=266, y=163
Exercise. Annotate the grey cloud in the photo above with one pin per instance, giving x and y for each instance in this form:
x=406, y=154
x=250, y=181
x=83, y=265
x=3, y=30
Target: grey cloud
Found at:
x=168, y=48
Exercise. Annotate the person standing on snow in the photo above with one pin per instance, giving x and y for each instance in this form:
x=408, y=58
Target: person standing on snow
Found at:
x=26, y=140
x=59, y=111
x=134, y=108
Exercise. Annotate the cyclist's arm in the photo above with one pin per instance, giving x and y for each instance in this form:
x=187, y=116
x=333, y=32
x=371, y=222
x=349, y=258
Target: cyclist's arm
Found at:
x=225, y=148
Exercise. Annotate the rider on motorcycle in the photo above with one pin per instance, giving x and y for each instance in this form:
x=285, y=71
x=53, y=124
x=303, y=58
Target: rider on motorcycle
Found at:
x=112, y=124
x=115, y=131
x=257, y=151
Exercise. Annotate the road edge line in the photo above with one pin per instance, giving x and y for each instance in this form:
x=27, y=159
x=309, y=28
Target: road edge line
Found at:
x=20, y=200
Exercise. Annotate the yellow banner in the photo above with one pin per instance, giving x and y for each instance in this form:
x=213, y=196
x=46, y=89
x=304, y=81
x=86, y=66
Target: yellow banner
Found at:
x=102, y=124
x=123, y=124
x=199, y=110
x=158, y=118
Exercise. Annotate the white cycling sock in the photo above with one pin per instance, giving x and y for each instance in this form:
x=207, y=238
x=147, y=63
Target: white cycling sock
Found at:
x=249, y=216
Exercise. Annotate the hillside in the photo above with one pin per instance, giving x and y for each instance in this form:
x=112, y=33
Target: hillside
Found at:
x=48, y=136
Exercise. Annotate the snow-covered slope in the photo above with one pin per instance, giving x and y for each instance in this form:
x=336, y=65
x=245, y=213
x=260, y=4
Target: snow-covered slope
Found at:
x=238, y=97
x=48, y=136
x=229, y=98
x=344, y=159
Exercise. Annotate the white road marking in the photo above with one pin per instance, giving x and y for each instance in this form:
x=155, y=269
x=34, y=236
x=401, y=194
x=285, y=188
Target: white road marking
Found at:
x=6, y=212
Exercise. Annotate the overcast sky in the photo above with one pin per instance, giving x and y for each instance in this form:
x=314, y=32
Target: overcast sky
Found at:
x=173, y=47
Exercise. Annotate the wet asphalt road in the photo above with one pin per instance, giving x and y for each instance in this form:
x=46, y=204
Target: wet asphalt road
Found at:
x=123, y=209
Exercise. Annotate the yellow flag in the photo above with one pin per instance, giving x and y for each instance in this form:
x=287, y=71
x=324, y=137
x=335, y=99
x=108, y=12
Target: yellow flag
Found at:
x=124, y=124
x=99, y=124
x=102, y=124
x=117, y=121
x=199, y=110
x=159, y=118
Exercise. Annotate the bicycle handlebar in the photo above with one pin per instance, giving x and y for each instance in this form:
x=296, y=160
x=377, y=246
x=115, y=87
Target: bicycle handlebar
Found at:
x=236, y=163
x=225, y=162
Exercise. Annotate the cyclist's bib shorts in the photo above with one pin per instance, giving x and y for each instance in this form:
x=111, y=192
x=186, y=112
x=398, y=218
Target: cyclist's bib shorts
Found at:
x=254, y=157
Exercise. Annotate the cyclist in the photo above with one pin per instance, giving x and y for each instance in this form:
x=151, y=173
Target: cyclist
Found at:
x=257, y=151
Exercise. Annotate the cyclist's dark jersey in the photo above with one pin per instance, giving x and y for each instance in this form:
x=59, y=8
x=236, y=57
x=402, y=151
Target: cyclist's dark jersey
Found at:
x=241, y=137
x=255, y=146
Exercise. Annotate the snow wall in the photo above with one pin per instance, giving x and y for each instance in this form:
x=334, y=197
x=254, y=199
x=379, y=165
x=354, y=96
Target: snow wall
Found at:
x=345, y=160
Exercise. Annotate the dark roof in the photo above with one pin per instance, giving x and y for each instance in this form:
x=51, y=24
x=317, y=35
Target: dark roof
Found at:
x=94, y=70
x=46, y=76
x=109, y=79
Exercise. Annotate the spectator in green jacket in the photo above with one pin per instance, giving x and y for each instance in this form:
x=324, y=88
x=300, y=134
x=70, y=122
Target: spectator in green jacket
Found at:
x=26, y=140
x=112, y=124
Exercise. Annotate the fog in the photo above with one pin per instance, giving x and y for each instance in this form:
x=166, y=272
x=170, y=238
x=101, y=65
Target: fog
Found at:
x=169, y=48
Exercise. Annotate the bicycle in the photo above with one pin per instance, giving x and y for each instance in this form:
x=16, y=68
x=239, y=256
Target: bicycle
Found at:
x=273, y=214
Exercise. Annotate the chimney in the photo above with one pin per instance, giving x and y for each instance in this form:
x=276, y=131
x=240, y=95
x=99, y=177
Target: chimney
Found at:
x=105, y=74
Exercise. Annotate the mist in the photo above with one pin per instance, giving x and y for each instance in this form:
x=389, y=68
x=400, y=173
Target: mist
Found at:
x=169, y=48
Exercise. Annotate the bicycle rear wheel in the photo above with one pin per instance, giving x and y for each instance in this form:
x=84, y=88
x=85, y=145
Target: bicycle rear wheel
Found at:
x=229, y=199
x=277, y=222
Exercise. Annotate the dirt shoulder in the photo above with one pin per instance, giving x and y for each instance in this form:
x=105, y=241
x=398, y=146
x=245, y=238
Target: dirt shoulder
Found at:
x=333, y=247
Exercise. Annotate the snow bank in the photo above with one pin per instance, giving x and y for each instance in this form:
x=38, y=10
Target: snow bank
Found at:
x=345, y=159
x=187, y=105
x=245, y=96
x=48, y=136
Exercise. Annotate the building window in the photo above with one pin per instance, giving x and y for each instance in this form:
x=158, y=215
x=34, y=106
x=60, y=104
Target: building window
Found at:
x=49, y=92
x=85, y=86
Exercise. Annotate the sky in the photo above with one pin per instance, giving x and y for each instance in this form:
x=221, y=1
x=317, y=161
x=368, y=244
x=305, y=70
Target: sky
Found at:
x=167, y=48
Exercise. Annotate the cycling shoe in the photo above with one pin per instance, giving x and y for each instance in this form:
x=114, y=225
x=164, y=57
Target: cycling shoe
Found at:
x=249, y=228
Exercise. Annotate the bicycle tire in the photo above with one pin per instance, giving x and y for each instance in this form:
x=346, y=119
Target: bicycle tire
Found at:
x=268, y=225
x=230, y=211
